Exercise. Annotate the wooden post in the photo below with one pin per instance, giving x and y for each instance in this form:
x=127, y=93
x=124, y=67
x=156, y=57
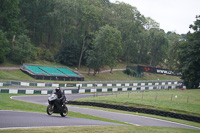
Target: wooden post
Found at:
x=188, y=99
x=156, y=96
x=171, y=97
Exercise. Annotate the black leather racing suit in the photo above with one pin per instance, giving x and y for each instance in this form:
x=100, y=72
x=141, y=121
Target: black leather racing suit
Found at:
x=61, y=97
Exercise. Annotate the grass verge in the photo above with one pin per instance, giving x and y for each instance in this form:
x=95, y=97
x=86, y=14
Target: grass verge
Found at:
x=187, y=101
x=195, y=124
x=100, y=129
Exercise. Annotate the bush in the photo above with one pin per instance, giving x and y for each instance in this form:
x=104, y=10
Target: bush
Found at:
x=129, y=71
x=22, y=51
x=45, y=54
x=133, y=73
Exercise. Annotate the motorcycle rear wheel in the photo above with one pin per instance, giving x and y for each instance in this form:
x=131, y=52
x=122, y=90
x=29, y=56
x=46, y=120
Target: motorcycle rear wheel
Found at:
x=64, y=112
x=49, y=110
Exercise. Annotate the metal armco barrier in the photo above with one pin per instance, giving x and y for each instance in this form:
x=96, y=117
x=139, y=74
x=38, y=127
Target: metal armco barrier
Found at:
x=92, y=84
x=140, y=110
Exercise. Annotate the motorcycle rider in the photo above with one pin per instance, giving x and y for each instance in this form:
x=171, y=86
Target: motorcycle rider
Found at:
x=61, y=96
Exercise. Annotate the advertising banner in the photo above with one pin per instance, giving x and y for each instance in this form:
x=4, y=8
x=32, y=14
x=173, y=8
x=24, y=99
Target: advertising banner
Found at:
x=141, y=69
x=155, y=70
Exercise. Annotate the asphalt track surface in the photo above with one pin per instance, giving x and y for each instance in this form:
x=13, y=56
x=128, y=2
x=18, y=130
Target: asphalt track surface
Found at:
x=69, y=121
x=19, y=119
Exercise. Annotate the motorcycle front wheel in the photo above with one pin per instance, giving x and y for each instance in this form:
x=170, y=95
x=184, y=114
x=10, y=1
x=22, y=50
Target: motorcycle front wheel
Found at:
x=49, y=110
x=64, y=112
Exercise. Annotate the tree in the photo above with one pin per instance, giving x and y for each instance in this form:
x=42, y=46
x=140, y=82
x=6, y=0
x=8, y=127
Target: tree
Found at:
x=108, y=45
x=68, y=53
x=9, y=25
x=82, y=16
x=89, y=20
x=94, y=61
x=23, y=50
x=158, y=46
x=9, y=13
x=143, y=47
x=150, y=23
x=4, y=48
x=66, y=29
x=174, y=42
x=35, y=17
x=128, y=20
x=114, y=51
x=189, y=56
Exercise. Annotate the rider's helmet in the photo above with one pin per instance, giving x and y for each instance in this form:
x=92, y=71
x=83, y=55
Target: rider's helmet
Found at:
x=57, y=89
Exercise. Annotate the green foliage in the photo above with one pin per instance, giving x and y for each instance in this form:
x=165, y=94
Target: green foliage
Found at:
x=4, y=48
x=144, y=48
x=189, y=57
x=159, y=45
x=69, y=51
x=110, y=38
x=65, y=30
x=133, y=73
x=107, y=46
x=130, y=72
x=45, y=54
x=23, y=50
x=94, y=61
x=174, y=42
x=150, y=23
x=128, y=21
x=9, y=13
x=35, y=18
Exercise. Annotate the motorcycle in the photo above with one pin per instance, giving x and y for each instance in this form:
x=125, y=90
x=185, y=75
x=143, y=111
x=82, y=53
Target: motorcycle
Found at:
x=55, y=106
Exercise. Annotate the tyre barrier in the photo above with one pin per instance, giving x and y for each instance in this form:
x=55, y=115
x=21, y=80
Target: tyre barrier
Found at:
x=140, y=110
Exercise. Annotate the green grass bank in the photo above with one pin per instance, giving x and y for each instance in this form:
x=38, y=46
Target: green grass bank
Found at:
x=186, y=102
x=101, y=129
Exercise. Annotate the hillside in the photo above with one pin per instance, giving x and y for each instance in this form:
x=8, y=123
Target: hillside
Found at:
x=102, y=76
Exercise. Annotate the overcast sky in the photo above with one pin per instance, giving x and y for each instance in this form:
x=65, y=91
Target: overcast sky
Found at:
x=172, y=15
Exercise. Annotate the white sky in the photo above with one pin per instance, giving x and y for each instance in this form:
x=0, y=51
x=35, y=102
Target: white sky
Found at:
x=172, y=15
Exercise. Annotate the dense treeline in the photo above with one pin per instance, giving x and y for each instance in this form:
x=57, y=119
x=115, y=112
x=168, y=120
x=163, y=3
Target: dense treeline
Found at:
x=94, y=33
x=69, y=31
